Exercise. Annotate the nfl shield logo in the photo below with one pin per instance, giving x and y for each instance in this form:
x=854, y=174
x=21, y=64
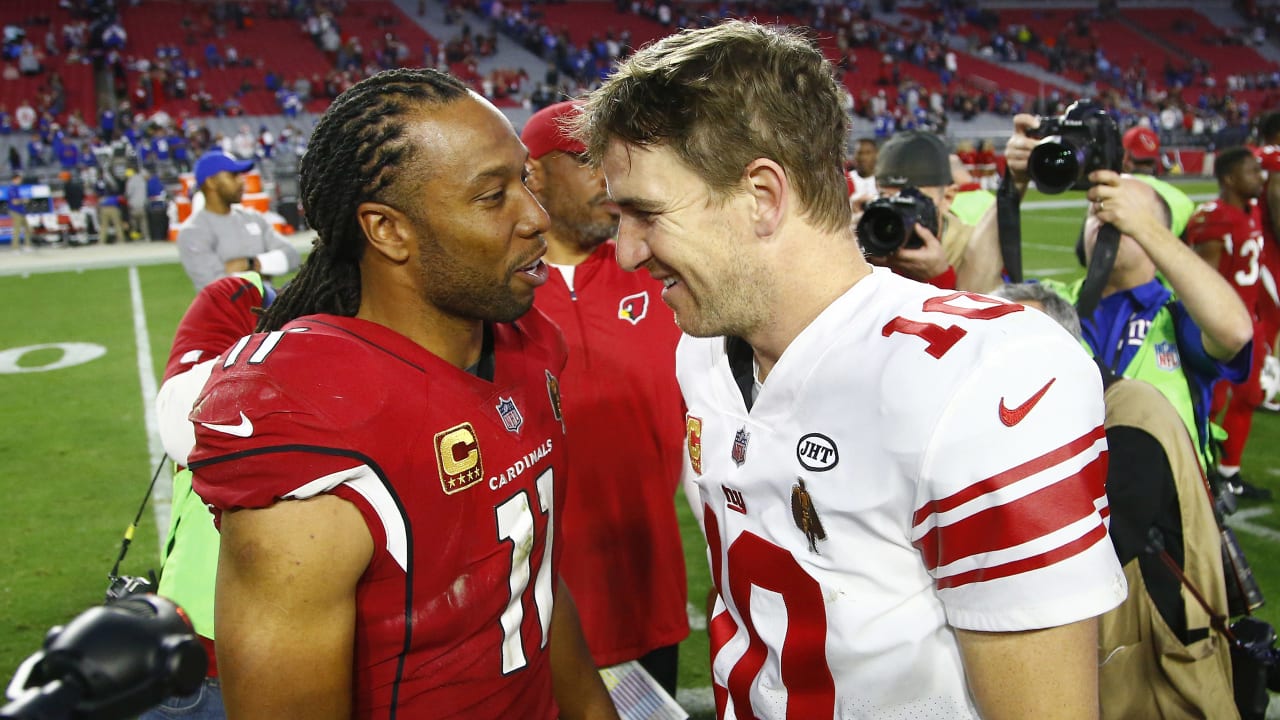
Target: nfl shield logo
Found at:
x=740, y=446
x=1167, y=357
x=511, y=417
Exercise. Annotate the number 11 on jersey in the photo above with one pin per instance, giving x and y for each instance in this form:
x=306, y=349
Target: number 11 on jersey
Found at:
x=516, y=525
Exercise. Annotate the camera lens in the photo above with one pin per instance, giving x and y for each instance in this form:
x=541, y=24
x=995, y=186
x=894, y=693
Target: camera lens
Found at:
x=1055, y=165
x=881, y=230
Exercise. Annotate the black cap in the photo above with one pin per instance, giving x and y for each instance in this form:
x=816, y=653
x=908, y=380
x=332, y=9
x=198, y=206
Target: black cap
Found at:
x=914, y=157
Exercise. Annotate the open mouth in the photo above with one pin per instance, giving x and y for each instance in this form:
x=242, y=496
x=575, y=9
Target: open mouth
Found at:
x=535, y=272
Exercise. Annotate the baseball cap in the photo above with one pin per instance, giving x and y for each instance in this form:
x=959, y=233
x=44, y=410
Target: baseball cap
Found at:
x=216, y=161
x=1142, y=143
x=544, y=131
x=914, y=157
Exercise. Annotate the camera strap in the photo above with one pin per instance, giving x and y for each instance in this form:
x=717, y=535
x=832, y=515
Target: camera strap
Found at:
x=1095, y=278
x=1217, y=620
x=1009, y=226
x=133, y=526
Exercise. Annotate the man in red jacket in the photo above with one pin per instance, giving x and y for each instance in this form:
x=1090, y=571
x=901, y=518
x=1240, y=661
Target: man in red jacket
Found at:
x=623, y=413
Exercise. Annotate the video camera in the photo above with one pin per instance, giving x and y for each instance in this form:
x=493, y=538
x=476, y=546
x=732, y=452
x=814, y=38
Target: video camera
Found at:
x=110, y=662
x=888, y=222
x=1084, y=139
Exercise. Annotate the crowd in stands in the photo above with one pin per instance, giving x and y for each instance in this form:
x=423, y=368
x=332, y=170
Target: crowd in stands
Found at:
x=900, y=75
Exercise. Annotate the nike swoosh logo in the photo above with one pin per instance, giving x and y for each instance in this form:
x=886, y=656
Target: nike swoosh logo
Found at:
x=245, y=428
x=1013, y=416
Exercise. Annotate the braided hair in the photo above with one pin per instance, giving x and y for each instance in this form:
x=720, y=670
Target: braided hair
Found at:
x=357, y=152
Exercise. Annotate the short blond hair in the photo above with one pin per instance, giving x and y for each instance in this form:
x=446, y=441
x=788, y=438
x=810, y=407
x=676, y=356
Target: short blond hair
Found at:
x=723, y=96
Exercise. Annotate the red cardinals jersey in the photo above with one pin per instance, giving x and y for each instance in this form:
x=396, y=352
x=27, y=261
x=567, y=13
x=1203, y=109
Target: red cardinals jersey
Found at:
x=1240, y=232
x=917, y=461
x=460, y=481
x=222, y=313
x=623, y=557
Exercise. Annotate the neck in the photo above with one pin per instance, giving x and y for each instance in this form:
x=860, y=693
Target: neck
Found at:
x=400, y=307
x=214, y=204
x=811, y=282
x=1236, y=200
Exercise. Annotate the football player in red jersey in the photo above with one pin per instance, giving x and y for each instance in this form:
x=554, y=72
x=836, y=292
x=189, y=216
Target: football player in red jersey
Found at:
x=622, y=551
x=386, y=455
x=1268, y=153
x=1228, y=234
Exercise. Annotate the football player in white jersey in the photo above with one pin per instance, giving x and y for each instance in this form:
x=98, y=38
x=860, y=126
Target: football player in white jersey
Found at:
x=901, y=487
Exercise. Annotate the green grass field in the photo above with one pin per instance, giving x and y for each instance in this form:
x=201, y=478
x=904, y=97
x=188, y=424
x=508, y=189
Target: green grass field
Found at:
x=76, y=458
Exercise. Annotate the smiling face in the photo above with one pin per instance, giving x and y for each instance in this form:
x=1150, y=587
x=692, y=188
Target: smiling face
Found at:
x=478, y=227
x=698, y=245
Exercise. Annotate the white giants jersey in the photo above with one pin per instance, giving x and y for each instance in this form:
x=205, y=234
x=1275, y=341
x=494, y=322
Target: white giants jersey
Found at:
x=917, y=461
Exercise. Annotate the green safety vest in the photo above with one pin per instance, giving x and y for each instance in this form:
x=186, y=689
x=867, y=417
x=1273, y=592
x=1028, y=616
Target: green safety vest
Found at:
x=971, y=205
x=189, y=569
x=1173, y=384
x=1181, y=207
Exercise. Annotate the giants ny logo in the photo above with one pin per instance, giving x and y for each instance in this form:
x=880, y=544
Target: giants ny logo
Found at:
x=733, y=499
x=633, y=308
x=1137, y=331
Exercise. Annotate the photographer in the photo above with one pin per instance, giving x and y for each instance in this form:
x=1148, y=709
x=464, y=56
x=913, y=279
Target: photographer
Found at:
x=1181, y=334
x=1159, y=656
x=937, y=250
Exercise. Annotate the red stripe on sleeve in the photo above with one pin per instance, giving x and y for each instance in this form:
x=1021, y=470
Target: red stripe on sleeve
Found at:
x=1010, y=476
x=1018, y=567
x=1018, y=521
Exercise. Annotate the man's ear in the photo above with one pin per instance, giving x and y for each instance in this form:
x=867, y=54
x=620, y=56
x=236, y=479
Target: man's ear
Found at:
x=386, y=230
x=770, y=190
x=537, y=176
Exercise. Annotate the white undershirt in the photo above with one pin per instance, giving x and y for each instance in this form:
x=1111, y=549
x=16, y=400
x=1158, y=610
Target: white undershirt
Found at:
x=567, y=272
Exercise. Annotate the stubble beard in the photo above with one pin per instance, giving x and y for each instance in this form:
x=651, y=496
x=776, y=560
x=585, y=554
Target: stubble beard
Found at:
x=463, y=292
x=741, y=304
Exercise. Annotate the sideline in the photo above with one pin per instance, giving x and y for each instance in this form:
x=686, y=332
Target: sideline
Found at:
x=1081, y=202
x=98, y=256
x=163, y=492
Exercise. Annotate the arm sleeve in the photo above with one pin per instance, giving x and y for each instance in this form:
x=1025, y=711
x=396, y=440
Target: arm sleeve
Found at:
x=195, y=249
x=1011, y=507
x=173, y=406
x=1139, y=484
x=1206, y=228
x=1198, y=361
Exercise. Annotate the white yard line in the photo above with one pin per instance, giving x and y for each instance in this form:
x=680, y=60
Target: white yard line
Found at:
x=163, y=493
x=1240, y=521
x=699, y=701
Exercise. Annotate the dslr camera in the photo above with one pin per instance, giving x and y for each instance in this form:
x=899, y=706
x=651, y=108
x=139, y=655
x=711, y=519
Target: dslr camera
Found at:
x=889, y=221
x=1082, y=140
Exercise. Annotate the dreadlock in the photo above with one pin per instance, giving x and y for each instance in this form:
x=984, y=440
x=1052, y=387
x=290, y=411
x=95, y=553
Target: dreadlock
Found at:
x=357, y=151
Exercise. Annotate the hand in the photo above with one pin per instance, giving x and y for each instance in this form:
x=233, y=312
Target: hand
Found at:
x=920, y=263
x=858, y=203
x=1115, y=200
x=1018, y=148
x=241, y=264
